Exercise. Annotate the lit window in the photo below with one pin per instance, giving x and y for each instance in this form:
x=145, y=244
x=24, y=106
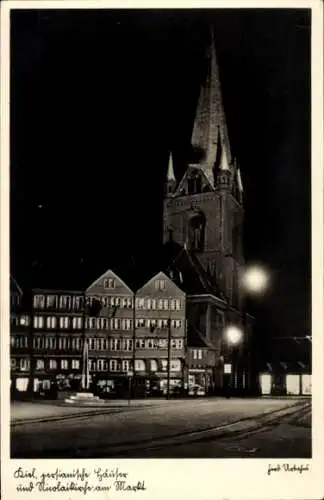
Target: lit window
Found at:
x=101, y=365
x=116, y=324
x=40, y=364
x=127, y=302
x=151, y=323
x=38, y=321
x=177, y=343
x=63, y=343
x=140, y=303
x=164, y=365
x=128, y=344
x=140, y=323
x=38, y=342
x=173, y=304
x=126, y=365
x=91, y=322
x=64, y=364
x=166, y=304
x=149, y=344
x=65, y=302
x=77, y=323
x=197, y=354
x=140, y=365
x=113, y=365
x=50, y=322
x=24, y=320
x=163, y=343
x=176, y=323
x=175, y=365
x=153, y=365
x=178, y=304
x=51, y=301
x=75, y=364
x=149, y=304
x=77, y=302
x=160, y=304
x=52, y=364
x=127, y=324
x=109, y=283
x=154, y=304
x=39, y=301
x=92, y=344
x=24, y=364
x=75, y=343
x=159, y=284
x=50, y=342
x=64, y=322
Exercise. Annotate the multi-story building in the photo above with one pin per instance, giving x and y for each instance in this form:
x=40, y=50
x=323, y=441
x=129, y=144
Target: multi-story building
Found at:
x=160, y=322
x=128, y=335
x=19, y=340
x=56, y=326
x=110, y=331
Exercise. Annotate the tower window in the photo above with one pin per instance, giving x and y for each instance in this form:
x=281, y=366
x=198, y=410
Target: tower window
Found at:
x=197, y=232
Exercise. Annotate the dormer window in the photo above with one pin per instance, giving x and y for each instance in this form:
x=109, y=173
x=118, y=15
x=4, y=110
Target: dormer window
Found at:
x=109, y=283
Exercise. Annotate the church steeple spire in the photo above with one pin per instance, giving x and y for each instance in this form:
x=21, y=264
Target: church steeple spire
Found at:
x=170, y=180
x=170, y=174
x=210, y=127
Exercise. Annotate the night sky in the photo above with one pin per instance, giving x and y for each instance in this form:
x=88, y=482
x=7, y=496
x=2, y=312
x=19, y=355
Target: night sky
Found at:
x=99, y=98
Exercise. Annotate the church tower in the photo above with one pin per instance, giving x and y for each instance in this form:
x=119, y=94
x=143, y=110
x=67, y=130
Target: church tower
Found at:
x=204, y=211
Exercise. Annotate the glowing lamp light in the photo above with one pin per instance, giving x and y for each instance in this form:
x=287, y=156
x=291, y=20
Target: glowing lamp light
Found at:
x=255, y=279
x=233, y=335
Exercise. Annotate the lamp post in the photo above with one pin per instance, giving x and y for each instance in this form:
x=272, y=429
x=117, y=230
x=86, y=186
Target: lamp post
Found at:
x=233, y=336
x=254, y=281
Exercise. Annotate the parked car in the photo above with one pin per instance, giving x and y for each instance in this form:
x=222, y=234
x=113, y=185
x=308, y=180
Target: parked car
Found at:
x=196, y=390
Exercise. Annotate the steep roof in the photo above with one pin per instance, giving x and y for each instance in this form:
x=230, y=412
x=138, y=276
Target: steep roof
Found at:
x=186, y=270
x=196, y=339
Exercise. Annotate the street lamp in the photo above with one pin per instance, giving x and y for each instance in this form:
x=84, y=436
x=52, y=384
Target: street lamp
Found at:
x=255, y=282
x=255, y=279
x=233, y=335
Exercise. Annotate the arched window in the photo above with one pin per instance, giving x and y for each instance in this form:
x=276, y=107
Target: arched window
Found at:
x=197, y=232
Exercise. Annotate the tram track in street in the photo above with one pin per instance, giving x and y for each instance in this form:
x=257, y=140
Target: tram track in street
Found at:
x=237, y=429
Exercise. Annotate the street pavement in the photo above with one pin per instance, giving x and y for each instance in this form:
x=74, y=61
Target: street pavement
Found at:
x=204, y=428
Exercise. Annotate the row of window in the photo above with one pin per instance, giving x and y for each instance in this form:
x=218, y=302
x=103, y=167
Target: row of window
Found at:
x=66, y=322
x=158, y=304
x=95, y=344
x=197, y=354
x=75, y=303
x=113, y=365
